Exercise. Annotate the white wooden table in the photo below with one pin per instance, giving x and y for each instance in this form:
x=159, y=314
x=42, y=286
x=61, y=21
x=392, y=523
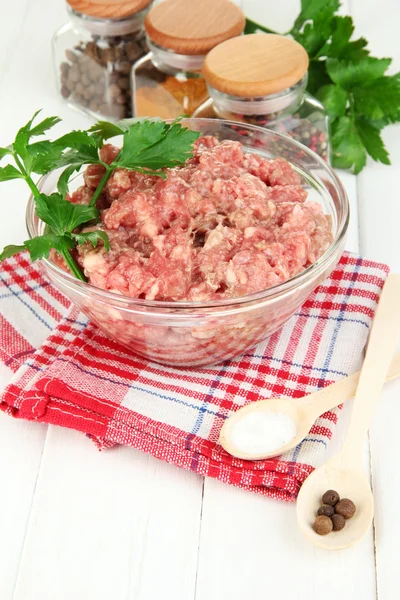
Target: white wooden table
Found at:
x=79, y=524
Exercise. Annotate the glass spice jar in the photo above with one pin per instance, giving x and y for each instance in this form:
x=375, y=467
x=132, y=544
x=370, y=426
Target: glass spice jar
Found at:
x=261, y=79
x=168, y=82
x=94, y=53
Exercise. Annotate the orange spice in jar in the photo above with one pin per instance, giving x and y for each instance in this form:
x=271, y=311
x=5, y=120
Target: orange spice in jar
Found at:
x=168, y=82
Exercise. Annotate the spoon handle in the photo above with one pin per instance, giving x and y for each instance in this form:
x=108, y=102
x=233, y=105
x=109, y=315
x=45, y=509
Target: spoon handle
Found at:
x=319, y=402
x=384, y=336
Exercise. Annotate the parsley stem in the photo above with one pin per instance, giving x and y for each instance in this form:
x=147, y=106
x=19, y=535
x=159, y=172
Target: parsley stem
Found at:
x=28, y=178
x=101, y=185
x=73, y=266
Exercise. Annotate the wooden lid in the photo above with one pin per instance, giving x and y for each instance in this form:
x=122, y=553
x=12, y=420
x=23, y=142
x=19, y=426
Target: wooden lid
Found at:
x=108, y=9
x=193, y=26
x=255, y=65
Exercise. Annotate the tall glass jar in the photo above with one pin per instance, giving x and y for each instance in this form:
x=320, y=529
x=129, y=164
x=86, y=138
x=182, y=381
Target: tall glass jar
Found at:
x=261, y=79
x=94, y=53
x=168, y=82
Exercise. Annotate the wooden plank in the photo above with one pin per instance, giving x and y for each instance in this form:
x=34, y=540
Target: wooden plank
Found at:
x=379, y=235
x=111, y=524
x=21, y=446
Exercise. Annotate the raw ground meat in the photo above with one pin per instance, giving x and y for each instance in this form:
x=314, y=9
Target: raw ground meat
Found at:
x=225, y=225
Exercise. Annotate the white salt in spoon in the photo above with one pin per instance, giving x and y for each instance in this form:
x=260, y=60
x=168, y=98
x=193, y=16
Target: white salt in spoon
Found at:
x=344, y=472
x=267, y=428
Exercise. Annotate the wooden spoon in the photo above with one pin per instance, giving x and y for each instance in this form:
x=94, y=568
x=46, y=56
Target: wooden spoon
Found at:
x=344, y=472
x=304, y=411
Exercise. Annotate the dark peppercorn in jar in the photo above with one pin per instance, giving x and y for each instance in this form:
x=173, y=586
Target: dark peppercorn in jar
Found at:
x=168, y=82
x=94, y=53
x=261, y=79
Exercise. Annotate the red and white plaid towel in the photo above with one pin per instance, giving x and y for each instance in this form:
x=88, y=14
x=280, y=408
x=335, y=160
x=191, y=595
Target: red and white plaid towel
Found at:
x=78, y=378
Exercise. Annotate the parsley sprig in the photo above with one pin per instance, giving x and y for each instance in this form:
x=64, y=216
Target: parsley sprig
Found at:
x=360, y=98
x=148, y=146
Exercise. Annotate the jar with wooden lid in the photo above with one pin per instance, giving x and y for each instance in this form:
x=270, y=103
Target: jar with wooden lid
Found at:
x=261, y=79
x=168, y=82
x=94, y=53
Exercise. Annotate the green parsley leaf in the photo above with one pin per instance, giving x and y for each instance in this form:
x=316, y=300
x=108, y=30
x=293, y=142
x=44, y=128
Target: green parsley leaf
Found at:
x=93, y=237
x=317, y=76
x=351, y=74
x=310, y=9
x=4, y=152
x=348, y=149
x=10, y=251
x=43, y=126
x=342, y=30
x=63, y=216
x=379, y=99
x=105, y=130
x=75, y=139
x=138, y=138
x=253, y=27
x=9, y=172
x=64, y=178
x=40, y=246
x=334, y=98
x=154, y=145
x=83, y=155
x=371, y=138
x=314, y=36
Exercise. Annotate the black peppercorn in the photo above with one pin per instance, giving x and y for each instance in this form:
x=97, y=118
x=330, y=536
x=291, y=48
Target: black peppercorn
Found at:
x=330, y=497
x=346, y=508
x=338, y=522
x=326, y=509
x=323, y=525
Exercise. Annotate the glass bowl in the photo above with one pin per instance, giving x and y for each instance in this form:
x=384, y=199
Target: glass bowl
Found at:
x=203, y=333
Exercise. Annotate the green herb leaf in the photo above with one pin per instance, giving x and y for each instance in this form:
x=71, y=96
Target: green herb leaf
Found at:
x=9, y=172
x=253, y=27
x=40, y=246
x=371, y=138
x=4, y=152
x=93, y=237
x=63, y=216
x=43, y=126
x=154, y=145
x=334, y=99
x=310, y=9
x=75, y=139
x=351, y=74
x=379, y=99
x=10, y=251
x=342, y=30
x=141, y=136
x=105, y=130
x=317, y=76
x=348, y=149
x=64, y=178
x=83, y=155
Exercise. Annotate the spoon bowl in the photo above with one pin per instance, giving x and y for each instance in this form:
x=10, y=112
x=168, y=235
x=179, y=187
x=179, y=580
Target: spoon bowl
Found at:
x=274, y=406
x=349, y=482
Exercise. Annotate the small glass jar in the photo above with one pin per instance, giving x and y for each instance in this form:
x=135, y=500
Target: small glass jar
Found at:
x=168, y=82
x=94, y=53
x=261, y=79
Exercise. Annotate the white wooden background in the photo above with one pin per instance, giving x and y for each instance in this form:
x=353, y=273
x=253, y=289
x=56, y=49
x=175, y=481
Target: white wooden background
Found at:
x=79, y=524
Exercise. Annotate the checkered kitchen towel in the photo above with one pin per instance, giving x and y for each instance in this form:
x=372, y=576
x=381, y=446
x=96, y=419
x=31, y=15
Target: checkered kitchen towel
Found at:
x=78, y=378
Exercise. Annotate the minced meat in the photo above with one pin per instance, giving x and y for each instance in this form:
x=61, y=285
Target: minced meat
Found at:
x=225, y=225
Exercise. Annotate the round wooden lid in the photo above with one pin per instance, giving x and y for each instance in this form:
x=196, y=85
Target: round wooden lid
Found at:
x=193, y=26
x=108, y=9
x=255, y=65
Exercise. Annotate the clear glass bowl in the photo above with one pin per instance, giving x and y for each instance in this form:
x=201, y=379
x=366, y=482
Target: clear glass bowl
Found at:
x=203, y=333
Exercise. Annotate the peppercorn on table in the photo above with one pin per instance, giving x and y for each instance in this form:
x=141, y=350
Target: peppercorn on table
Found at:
x=75, y=523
